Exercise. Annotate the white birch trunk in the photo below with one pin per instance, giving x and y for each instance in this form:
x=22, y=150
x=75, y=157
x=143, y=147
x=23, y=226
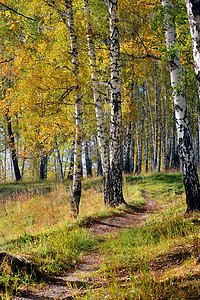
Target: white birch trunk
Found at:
x=116, y=113
x=166, y=147
x=186, y=151
x=101, y=128
x=156, y=119
x=193, y=10
x=127, y=157
x=146, y=152
x=138, y=146
x=132, y=152
x=76, y=188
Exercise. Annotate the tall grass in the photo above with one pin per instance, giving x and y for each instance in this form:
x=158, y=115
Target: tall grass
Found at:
x=158, y=260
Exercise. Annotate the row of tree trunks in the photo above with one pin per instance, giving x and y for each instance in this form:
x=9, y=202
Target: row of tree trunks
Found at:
x=144, y=156
x=112, y=167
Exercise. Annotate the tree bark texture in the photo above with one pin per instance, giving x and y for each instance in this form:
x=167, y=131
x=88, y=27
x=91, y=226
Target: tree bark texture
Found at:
x=138, y=147
x=156, y=119
x=101, y=128
x=146, y=152
x=193, y=10
x=76, y=188
x=116, y=113
x=127, y=160
x=71, y=165
x=132, y=153
x=185, y=144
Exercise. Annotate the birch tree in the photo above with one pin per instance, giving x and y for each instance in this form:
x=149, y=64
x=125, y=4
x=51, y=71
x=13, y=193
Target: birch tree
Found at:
x=101, y=129
x=127, y=160
x=186, y=151
x=116, y=113
x=76, y=188
x=193, y=10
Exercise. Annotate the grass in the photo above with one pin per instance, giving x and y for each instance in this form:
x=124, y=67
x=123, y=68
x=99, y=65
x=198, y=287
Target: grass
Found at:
x=158, y=260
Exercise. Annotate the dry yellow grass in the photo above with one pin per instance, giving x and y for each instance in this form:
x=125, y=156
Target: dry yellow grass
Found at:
x=30, y=215
x=33, y=214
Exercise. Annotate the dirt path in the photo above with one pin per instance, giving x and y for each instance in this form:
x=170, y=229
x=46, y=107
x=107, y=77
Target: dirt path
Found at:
x=78, y=282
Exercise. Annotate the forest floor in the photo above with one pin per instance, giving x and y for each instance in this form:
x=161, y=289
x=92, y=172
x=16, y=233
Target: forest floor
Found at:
x=75, y=283
x=148, y=251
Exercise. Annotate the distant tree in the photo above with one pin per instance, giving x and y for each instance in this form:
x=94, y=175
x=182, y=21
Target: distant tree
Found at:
x=13, y=150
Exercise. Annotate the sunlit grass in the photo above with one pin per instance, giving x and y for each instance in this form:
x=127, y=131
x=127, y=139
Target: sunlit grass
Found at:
x=26, y=214
x=31, y=214
x=158, y=260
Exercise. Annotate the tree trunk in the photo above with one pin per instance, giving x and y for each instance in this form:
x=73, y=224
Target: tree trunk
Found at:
x=59, y=162
x=127, y=161
x=76, y=187
x=193, y=10
x=116, y=113
x=43, y=166
x=141, y=138
x=5, y=166
x=23, y=162
x=165, y=140
x=71, y=165
x=156, y=120
x=101, y=129
x=88, y=163
x=146, y=152
x=138, y=146
x=77, y=175
x=160, y=147
x=173, y=146
x=166, y=122
x=152, y=131
x=99, y=167
x=12, y=148
x=132, y=152
x=197, y=139
x=186, y=151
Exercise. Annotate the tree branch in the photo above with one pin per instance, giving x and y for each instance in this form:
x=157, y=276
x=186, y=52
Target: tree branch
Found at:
x=16, y=12
x=6, y=60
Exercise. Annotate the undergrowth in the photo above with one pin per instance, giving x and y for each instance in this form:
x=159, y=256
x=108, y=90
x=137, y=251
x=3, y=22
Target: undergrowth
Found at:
x=157, y=260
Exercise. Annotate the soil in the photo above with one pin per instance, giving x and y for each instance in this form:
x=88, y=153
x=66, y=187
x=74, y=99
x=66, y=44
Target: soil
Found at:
x=73, y=284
